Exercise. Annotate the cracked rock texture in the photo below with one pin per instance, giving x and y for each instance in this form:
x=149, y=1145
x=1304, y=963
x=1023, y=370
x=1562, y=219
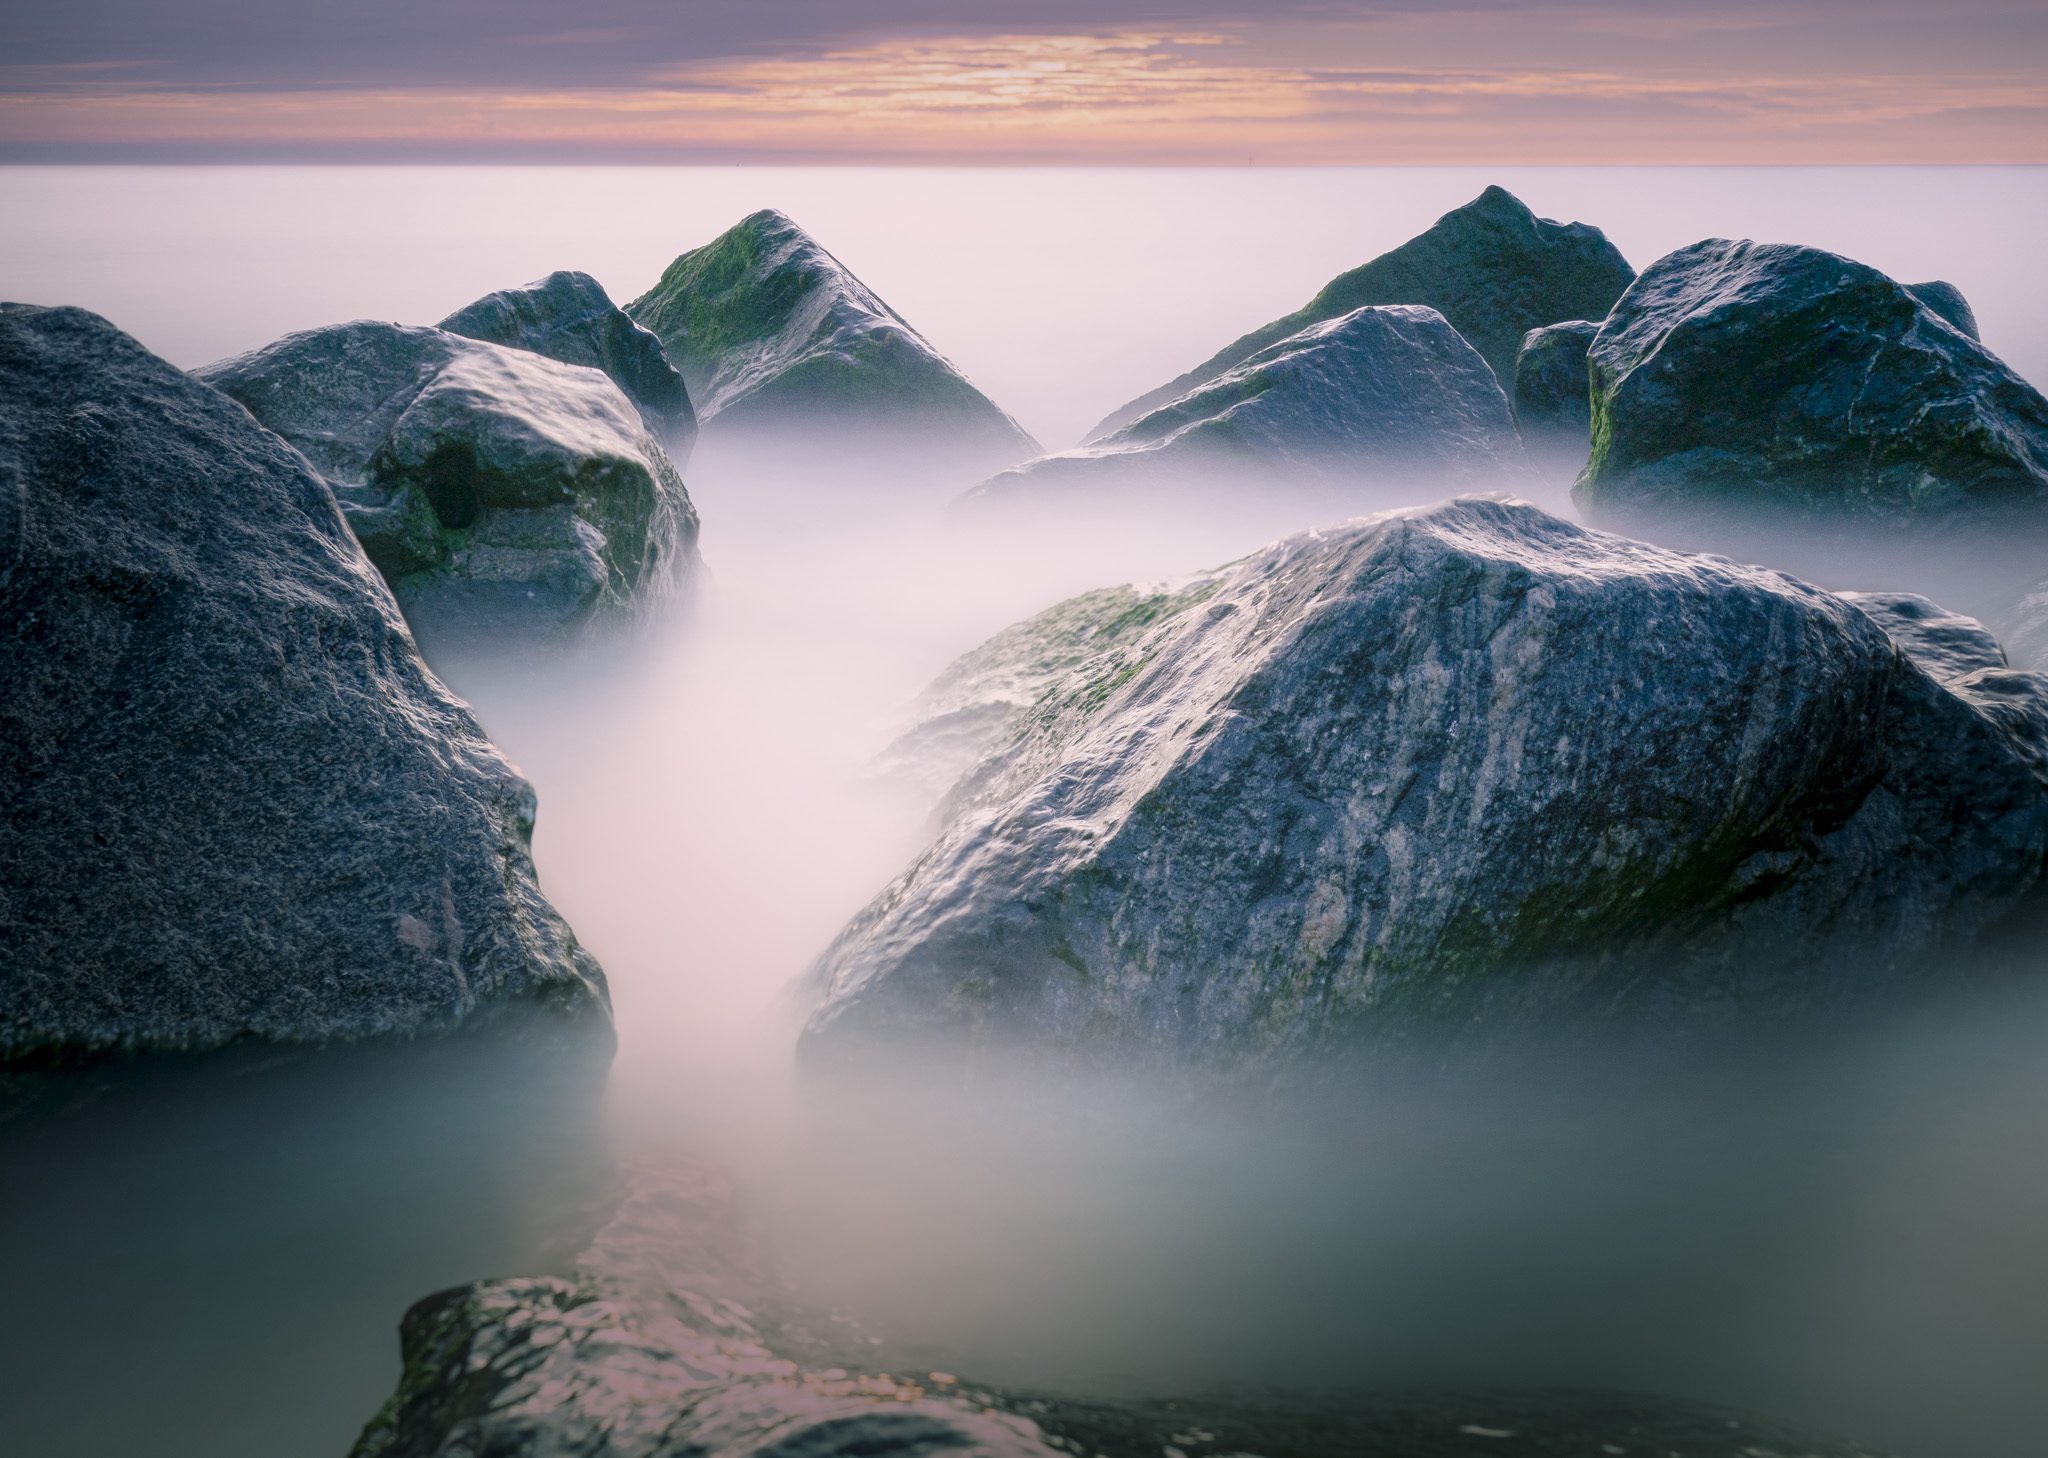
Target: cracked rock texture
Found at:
x=568, y=316
x=502, y=494
x=774, y=335
x=1462, y=769
x=237, y=804
x=1738, y=377
x=1492, y=267
x=1385, y=393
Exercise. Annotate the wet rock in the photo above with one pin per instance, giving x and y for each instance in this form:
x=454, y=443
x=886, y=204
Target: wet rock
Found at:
x=1947, y=300
x=238, y=805
x=568, y=316
x=1468, y=770
x=1743, y=379
x=503, y=495
x=1492, y=267
x=1387, y=393
x=778, y=341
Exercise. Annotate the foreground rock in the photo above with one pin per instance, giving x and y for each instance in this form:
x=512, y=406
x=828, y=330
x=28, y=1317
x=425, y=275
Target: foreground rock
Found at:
x=1492, y=267
x=778, y=342
x=1386, y=394
x=237, y=806
x=1462, y=769
x=1742, y=378
x=569, y=317
x=501, y=494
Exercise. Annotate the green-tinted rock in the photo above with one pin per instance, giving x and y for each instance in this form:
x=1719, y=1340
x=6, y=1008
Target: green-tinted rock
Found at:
x=1491, y=267
x=1552, y=410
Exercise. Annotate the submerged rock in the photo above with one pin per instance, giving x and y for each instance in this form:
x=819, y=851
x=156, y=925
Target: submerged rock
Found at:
x=1460, y=769
x=1739, y=378
x=568, y=316
x=1552, y=410
x=1947, y=300
x=1492, y=267
x=775, y=337
x=1382, y=393
x=501, y=494
x=238, y=806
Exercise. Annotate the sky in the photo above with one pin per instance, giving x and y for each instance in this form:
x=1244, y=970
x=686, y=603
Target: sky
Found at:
x=1114, y=82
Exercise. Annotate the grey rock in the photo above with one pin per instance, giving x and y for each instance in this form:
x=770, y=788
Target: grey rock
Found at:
x=1492, y=267
x=1946, y=645
x=774, y=335
x=1947, y=300
x=1739, y=378
x=1388, y=393
x=1552, y=410
x=1465, y=769
x=236, y=803
x=502, y=494
x=568, y=316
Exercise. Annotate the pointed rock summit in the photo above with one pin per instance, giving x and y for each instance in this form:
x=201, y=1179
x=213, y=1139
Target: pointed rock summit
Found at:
x=777, y=339
x=568, y=316
x=1492, y=267
x=1383, y=393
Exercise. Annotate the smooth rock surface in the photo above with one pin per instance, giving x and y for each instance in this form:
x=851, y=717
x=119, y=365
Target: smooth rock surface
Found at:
x=237, y=805
x=1947, y=300
x=1385, y=393
x=1492, y=267
x=568, y=316
x=502, y=494
x=1461, y=769
x=775, y=338
x=1737, y=378
x=1552, y=409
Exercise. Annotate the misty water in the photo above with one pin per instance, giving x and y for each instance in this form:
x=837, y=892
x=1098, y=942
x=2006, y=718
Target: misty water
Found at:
x=1846, y=1230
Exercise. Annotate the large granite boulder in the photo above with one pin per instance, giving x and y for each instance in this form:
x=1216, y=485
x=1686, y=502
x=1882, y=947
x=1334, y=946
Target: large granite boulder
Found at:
x=1461, y=769
x=568, y=316
x=1492, y=267
x=237, y=805
x=502, y=494
x=1389, y=393
x=780, y=343
x=1740, y=379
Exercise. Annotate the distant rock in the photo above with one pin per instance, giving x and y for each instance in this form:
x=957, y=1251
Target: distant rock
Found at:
x=1552, y=410
x=1461, y=770
x=1947, y=300
x=502, y=494
x=237, y=806
x=777, y=340
x=1741, y=378
x=1491, y=267
x=569, y=317
x=1387, y=393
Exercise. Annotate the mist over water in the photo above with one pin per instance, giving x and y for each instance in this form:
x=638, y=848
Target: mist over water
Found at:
x=1843, y=1230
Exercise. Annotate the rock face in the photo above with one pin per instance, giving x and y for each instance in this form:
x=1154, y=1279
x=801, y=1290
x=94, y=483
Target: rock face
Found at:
x=774, y=335
x=1947, y=300
x=569, y=317
x=1551, y=407
x=1388, y=393
x=1737, y=378
x=501, y=494
x=1461, y=769
x=1491, y=267
x=237, y=804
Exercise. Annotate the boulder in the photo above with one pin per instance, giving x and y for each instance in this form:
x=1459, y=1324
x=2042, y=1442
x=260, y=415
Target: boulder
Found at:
x=1492, y=267
x=238, y=806
x=1386, y=393
x=1552, y=410
x=569, y=317
x=502, y=494
x=1947, y=300
x=1466, y=770
x=775, y=336
x=1739, y=379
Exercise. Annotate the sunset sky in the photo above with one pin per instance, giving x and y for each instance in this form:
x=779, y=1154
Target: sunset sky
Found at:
x=1026, y=81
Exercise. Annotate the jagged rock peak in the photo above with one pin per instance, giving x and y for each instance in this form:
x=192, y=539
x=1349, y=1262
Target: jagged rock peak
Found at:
x=1492, y=267
x=568, y=316
x=218, y=739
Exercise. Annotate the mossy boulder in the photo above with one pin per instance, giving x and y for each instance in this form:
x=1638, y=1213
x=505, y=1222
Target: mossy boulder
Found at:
x=1492, y=267
x=504, y=495
x=1742, y=380
x=781, y=344
x=1467, y=769
x=568, y=316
